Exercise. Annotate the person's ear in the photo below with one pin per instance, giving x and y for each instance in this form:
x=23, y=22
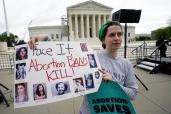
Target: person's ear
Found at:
x=103, y=45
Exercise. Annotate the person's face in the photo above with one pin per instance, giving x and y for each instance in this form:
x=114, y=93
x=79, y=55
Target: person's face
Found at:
x=22, y=52
x=40, y=88
x=61, y=88
x=97, y=74
x=90, y=57
x=91, y=60
x=78, y=82
x=113, y=38
x=89, y=81
x=21, y=68
x=21, y=90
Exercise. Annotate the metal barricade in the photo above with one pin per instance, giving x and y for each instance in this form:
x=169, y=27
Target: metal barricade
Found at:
x=7, y=60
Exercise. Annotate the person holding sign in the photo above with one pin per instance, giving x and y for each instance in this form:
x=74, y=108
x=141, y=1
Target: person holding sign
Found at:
x=114, y=68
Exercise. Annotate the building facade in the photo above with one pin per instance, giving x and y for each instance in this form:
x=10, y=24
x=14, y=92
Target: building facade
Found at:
x=83, y=21
x=57, y=33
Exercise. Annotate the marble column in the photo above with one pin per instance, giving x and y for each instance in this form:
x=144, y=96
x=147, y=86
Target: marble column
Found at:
x=76, y=26
x=104, y=18
x=82, y=26
x=94, y=27
x=87, y=26
x=70, y=25
x=108, y=17
x=99, y=21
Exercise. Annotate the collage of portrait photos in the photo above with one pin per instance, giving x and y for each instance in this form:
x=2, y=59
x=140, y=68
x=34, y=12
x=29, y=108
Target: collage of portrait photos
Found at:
x=21, y=79
x=21, y=87
x=54, y=83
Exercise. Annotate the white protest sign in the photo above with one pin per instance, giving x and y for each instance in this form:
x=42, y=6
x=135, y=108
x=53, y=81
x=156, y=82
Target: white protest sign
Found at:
x=54, y=71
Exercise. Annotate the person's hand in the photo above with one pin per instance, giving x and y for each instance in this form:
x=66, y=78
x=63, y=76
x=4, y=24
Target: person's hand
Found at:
x=35, y=39
x=105, y=74
x=32, y=42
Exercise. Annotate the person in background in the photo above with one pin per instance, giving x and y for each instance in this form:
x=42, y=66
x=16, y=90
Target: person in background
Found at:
x=161, y=44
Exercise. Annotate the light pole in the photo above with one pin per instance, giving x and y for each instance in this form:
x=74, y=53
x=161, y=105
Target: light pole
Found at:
x=6, y=21
x=66, y=19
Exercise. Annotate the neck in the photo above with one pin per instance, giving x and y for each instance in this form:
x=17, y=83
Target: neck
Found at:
x=113, y=53
x=41, y=93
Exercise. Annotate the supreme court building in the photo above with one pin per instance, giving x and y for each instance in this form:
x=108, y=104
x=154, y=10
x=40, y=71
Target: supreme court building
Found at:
x=82, y=24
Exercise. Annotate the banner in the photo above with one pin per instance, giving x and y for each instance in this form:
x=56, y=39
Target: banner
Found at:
x=110, y=99
x=54, y=71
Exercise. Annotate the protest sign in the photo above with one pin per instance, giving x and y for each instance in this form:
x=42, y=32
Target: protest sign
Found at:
x=110, y=99
x=54, y=71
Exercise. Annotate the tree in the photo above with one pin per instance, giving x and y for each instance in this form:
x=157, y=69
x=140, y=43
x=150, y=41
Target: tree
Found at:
x=142, y=38
x=169, y=21
x=162, y=32
x=10, y=40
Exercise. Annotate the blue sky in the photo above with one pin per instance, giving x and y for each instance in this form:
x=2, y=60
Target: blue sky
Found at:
x=155, y=13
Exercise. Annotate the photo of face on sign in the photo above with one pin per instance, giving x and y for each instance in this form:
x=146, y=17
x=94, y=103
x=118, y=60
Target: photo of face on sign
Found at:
x=89, y=81
x=83, y=47
x=97, y=74
x=21, y=94
x=60, y=88
x=92, y=61
x=20, y=71
x=22, y=53
x=39, y=91
x=78, y=84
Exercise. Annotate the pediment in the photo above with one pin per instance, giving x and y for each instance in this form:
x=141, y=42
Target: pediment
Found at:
x=90, y=5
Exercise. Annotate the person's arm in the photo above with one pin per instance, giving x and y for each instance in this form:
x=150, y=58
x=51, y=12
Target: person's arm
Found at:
x=131, y=92
x=130, y=86
x=37, y=38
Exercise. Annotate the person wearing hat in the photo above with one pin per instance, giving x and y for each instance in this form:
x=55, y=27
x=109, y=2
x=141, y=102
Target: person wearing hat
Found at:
x=114, y=67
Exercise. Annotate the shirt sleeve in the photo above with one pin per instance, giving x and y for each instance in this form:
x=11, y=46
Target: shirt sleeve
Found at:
x=130, y=86
x=84, y=108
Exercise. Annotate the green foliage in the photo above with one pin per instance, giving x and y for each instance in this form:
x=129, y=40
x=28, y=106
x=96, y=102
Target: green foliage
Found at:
x=5, y=38
x=9, y=39
x=142, y=38
x=165, y=32
x=2, y=38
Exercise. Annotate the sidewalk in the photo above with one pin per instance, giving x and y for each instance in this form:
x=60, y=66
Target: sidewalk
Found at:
x=155, y=101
